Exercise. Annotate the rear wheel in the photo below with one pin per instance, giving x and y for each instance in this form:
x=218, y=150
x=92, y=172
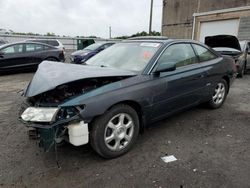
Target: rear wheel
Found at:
x=115, y=132
x=219, y=95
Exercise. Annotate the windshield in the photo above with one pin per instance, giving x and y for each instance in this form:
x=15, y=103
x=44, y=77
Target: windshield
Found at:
x=132, y=56
x=93, y=46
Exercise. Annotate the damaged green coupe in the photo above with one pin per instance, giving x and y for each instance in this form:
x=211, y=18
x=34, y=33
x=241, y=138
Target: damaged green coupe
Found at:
x=119, y=91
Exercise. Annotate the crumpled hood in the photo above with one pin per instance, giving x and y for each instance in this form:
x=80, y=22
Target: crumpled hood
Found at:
x=228, y=41
x=51, y=74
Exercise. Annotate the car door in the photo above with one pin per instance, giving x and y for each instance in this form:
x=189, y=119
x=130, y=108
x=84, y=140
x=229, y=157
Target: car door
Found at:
x=182, y=87
x=12, y=57
x=211, y=63
x=34, y=53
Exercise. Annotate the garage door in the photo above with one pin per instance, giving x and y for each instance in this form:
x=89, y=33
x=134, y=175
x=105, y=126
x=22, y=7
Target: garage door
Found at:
x=222, y=27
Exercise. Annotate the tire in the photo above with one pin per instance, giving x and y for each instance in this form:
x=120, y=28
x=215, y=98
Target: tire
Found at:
x=122, y=122
x=220, y=94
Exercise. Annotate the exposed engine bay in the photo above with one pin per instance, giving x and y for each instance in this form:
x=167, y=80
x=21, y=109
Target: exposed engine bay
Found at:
x=69, y=128
x=67, y=91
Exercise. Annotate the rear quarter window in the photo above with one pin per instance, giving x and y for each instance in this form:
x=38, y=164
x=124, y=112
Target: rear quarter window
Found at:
x=53, y=43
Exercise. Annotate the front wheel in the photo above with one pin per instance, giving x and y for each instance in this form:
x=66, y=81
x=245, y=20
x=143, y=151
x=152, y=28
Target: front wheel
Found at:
x=219, y=95
x=115, y=132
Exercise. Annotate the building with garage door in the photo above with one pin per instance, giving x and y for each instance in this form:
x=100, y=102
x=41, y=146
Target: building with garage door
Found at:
x=200, y=18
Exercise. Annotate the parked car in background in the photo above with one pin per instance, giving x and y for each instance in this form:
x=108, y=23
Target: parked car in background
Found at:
x=245, y=47
x=52, y=42
x=80, y=56
x=121, y=90
x=23, y=55
x=229, y=45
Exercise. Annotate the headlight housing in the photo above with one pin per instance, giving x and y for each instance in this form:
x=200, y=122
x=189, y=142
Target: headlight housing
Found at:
x=39, y=114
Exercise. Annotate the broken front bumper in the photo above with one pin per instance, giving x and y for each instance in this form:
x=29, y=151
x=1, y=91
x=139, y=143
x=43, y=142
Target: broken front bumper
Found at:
x=48, y=132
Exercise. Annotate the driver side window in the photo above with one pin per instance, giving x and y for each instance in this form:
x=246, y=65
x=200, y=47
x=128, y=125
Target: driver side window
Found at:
x=179, y=54
x=18, y=48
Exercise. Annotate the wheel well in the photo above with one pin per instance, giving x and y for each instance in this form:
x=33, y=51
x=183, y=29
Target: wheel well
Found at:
x=137, y=107
x=226, y=78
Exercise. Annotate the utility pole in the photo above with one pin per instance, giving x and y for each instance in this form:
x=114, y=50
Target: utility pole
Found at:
x=150, y=18
x=163, y=21
x=109, y=32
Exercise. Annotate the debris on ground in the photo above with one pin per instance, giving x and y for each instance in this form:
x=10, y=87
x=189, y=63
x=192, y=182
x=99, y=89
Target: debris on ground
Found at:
x=168, y=159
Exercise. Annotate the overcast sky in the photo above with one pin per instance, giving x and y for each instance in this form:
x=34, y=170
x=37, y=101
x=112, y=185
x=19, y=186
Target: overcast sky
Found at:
x=79, y=17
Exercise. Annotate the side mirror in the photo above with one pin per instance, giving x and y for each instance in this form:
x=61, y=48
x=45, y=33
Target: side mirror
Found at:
x=248, y=51
x=166, y=67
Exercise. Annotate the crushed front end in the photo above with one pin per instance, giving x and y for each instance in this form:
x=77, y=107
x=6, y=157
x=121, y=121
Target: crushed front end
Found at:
x=51, y=110
x=52, y=122
x=54, y=125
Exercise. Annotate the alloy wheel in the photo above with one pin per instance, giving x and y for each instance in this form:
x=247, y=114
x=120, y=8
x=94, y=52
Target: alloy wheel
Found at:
x=119, y=132
x=219, y=93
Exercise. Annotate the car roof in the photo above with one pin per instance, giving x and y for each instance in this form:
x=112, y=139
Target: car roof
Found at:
x=149, y=38
x=42, y=39
x=160, y=39
x=25, y=42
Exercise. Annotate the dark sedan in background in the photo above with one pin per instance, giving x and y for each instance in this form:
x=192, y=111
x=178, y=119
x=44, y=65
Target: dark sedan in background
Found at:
x=27, y=55
x=229, y=45
x=124, y=88
x=81, y=56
